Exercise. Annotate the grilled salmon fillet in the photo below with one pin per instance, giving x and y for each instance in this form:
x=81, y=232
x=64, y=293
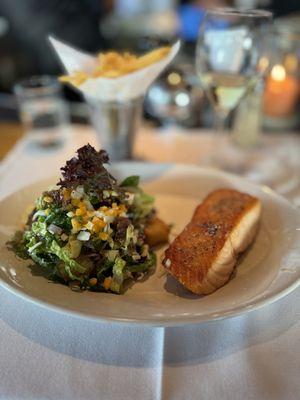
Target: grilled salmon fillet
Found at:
x=202, y=257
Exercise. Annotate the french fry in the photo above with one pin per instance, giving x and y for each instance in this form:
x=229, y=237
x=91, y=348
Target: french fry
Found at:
x=76, y=79
x=152, y=57
x=113, y=65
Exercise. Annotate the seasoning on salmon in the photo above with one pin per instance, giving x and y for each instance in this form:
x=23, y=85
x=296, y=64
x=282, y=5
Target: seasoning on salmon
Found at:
x=202, y=257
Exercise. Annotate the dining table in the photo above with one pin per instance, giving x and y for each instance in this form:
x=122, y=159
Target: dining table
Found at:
x=47, y=354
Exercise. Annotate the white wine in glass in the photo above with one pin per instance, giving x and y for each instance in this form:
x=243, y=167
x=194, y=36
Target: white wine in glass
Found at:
x=225, y=90
x=231, y=56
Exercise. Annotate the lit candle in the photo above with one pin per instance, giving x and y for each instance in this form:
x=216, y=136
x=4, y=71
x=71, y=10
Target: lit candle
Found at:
x=281, y=93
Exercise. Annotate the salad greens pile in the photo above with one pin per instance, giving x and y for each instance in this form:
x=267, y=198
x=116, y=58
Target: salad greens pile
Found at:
x=89, y=232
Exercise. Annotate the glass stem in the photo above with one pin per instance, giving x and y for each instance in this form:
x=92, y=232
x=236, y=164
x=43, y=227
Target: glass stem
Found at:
x=220, y=120
x=218, y=139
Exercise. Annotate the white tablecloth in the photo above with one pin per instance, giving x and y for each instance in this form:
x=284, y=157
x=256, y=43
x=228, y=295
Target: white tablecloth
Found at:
x=47, y=355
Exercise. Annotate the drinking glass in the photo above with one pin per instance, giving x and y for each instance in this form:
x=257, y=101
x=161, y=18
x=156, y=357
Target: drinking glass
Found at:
x=43, y=111
x=231, y=56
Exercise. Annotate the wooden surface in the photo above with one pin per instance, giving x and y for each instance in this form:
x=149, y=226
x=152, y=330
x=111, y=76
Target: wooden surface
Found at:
x=10, y=133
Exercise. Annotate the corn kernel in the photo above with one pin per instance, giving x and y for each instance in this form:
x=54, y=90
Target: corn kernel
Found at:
x=103, y=235
x=80, y=211
x=96, y=228
x=98, y=224
x=101, y=223
x=107, y=282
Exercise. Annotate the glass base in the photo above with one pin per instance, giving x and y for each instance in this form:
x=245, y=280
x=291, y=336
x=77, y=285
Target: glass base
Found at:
x=48, y=137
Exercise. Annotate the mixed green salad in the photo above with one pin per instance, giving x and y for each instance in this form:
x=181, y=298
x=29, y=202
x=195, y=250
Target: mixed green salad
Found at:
x=89, y=231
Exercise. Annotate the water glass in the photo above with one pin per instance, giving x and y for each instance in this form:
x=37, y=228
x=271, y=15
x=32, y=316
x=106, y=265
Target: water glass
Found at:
x=115, y=124
x=43, y=111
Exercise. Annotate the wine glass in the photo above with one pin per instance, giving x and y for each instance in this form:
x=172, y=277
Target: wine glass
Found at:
x=231, y=56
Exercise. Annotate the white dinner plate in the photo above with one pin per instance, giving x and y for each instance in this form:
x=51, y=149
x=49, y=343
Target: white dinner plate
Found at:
x=268, y=271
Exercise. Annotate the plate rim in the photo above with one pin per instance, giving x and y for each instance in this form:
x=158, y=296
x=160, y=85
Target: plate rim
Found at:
x=156, y=321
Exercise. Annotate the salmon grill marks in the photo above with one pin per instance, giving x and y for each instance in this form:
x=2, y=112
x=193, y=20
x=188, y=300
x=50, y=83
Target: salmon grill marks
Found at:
x=203, y=256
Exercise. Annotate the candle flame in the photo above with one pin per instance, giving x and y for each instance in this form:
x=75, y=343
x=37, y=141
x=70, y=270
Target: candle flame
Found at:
x=278, y=73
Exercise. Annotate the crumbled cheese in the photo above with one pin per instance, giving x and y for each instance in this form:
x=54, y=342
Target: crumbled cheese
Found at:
x=54, y=229
x=83, y=236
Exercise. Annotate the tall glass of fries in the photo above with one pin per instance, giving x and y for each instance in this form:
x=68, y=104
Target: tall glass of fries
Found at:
x=114, y=85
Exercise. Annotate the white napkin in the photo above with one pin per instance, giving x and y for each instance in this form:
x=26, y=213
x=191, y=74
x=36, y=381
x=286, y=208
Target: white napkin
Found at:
x=127, y=87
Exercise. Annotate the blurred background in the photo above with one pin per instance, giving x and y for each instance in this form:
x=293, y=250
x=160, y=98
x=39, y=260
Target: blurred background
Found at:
x=176, y=98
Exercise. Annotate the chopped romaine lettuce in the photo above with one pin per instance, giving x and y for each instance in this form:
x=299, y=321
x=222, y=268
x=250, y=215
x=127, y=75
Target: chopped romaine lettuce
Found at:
x=145, y=266
x=143, y=204
x=72, y=267
x=118, y=275
x=73, y=248
x=59, y=217
x=39, y=227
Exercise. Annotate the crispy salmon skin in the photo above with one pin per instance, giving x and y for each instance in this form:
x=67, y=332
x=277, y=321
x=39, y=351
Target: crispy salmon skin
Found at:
x=202, y=257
